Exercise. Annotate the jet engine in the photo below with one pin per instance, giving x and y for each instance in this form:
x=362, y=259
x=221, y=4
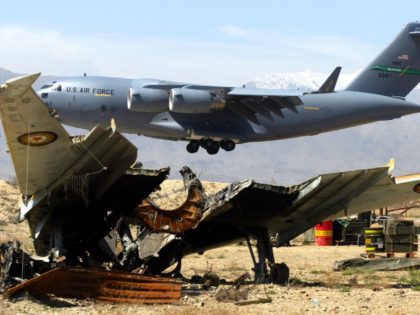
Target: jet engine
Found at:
x=147, y=100
x=191, y=101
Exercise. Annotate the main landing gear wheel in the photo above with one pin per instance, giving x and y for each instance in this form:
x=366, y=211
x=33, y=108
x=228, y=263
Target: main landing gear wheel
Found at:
x=193, y=146
x=206, y=143
x=213, y=149
x=227, y=145
x=210, y=145
x=278, y=273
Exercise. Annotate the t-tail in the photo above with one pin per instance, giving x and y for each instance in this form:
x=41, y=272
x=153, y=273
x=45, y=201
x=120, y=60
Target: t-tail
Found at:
x=396, y=71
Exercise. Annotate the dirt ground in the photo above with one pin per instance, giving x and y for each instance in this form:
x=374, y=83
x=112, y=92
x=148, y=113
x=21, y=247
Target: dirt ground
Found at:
x=313, y=287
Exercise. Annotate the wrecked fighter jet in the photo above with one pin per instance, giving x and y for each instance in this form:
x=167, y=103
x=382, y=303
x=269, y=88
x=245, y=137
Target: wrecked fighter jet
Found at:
x=86, y=201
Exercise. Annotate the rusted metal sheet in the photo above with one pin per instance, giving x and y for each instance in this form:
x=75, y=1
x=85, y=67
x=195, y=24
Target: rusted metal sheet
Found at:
x=180, y=219
x=176, y=220
x=109, y=286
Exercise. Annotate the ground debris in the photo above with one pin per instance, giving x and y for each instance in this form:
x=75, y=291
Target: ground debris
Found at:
x=242, y=279
x=110, y=286
x=256, y=301
x=232, y=294
x=379, y=264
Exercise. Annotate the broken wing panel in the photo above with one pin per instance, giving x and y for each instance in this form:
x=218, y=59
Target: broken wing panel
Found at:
x=330, y=196
x=103, y=154
x=39, y=145
x=290, y=210
x=384, y=194
x=249, y=202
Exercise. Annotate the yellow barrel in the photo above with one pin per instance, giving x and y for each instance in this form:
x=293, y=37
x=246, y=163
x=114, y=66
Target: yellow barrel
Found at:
x=374, y=239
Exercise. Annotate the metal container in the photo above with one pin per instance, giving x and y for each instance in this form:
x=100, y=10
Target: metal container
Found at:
x=324, y=233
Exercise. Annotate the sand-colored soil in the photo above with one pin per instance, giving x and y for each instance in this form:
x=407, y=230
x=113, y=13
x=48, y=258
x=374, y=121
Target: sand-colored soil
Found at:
x=314, y=288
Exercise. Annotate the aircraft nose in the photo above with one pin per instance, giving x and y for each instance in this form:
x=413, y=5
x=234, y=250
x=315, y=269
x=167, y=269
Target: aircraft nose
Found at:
x=39, y=93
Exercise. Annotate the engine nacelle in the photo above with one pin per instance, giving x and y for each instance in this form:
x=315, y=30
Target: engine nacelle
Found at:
x=191, y=101
x=147, y=100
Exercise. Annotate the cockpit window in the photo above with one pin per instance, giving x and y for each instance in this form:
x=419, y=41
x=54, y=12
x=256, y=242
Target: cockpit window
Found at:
x=53, y=86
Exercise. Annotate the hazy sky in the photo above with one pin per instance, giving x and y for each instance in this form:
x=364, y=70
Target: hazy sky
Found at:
x=219, y=42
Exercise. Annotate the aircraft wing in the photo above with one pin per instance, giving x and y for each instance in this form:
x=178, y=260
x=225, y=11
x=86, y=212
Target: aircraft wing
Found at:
x=292, y=210
x=38, y=144
x=246, y=102
x=387, y=192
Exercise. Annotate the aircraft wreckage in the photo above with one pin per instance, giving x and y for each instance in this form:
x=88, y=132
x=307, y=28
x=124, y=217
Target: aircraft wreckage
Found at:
x=83, y=195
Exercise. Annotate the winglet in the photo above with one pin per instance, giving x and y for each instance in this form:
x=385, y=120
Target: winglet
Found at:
x=329, y=84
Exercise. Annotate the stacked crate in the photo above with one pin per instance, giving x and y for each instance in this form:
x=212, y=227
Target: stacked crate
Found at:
x=401, y=237
x=354, y=233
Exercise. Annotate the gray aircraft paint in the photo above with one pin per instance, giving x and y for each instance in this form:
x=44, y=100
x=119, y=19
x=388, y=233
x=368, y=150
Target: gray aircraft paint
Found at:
x=396, y=71
x=375, y=95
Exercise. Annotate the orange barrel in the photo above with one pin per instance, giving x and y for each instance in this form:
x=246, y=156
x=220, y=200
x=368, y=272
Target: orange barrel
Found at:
x=324, y=233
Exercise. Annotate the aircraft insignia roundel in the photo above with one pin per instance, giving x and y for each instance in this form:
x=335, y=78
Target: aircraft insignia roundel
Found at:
x=38, y=138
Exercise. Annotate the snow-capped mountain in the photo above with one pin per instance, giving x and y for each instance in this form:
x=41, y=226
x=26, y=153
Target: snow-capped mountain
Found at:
x=301, y=80
x=309, y=81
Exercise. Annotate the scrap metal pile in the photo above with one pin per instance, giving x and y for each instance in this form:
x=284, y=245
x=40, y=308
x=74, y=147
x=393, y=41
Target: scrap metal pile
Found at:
x=86, y=202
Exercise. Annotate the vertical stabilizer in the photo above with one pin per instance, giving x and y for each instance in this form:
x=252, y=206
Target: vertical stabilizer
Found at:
x=396, y=71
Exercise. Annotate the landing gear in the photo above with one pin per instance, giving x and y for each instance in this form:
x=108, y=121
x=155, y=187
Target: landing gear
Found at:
x=211, y=146
x=227, y=145
x=214, y=148
x=279, y=273
x=193, y=146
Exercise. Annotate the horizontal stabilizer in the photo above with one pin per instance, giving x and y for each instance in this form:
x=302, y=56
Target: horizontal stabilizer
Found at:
x=416, y=32
x=331, y=82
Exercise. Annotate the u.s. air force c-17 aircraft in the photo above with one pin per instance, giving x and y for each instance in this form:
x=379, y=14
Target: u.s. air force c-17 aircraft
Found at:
x=215, y=117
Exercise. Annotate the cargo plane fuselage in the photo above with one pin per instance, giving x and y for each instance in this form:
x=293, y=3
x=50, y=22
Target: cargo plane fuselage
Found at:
x=216, y=117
